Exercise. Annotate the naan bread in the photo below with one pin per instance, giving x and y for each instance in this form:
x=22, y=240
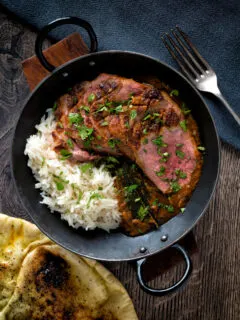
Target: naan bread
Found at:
x=41, y=281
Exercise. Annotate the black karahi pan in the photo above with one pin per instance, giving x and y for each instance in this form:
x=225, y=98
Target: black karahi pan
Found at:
x=100, y=245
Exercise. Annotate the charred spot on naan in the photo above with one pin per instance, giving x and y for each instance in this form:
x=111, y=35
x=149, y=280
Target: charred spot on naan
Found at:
x=54, y=272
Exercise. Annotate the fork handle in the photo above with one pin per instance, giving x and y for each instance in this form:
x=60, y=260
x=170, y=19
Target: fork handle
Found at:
x=227, y=105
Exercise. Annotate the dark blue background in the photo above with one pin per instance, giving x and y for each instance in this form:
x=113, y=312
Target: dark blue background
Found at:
x=213, y=26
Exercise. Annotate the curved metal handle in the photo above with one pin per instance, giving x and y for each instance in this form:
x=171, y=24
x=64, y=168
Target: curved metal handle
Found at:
x=177, y=285
x=56, y=23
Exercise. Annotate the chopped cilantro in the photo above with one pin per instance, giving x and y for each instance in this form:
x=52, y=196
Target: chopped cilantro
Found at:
x=175, y=186
x=94, y=195
x=75, y=118
x=185, y=110
x=86, y=108
x=86, y=167
x=174, y=93
x=104, y=124
x=112, y=160
x=85, y=132
x=161, y=171
x=80, y=194
x=181, y=174
x=100, y=188
x=137, y=199
x=70, y=143
x=59, y=124
x=182, y=209
x=59, y=185
x=179, y=145
x=159, y=142
x=145, y=141
x=54, y=108
x=147, y=117
x=142, y=212
x=180, y=154
x=169, y=208
x=133, y=114
x=113, y=142
x=119, y=109
x=91, y=97
x=144, y=150
x=65, y=154
x=127, y=125
x=145, y=131
x=131, y=188
x=101, y=109
x=183, y=125
x=200, y=148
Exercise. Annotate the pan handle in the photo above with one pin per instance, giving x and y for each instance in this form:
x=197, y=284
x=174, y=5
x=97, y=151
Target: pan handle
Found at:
x=56, y=23
x=177, y=285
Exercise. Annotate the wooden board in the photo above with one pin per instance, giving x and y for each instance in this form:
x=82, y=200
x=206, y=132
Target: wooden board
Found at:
x=213, y=290
x=69, y=48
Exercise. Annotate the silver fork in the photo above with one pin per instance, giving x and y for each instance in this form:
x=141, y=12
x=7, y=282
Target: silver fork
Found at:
x=194, y=65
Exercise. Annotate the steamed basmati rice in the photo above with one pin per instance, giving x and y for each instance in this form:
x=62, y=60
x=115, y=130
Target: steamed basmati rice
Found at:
x=84, y=195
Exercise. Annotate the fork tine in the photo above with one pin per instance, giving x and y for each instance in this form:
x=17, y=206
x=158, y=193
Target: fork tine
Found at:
x=194, y=49
x=177, y=59
x=175, y=46
x=187, y=51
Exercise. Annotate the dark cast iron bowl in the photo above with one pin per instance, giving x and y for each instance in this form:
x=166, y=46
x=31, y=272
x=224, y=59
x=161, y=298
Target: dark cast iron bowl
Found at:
x=100, y=245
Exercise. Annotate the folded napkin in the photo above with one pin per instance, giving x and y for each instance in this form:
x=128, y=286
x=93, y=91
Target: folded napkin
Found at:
x=213, y=26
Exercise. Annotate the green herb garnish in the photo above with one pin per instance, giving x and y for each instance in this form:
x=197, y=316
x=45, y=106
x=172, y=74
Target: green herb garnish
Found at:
x=159, y=142
x=145, y=141
x=131, y=188
x=91, y=97
x=133, y=114
x=185, y=110
x=175, y=186
x=147, y=117
x=174, y=93
x=161, y=171
x=59, y=124
x=119, y=109
x=142, y=212
x=169, y=208
x=183, y=125
x=70, y=143
x=113, y=142
x=86, y=167
x=127, y=125
x=201, y=148
x=179, y=145
x=112, y=160
x=182, y=209
x=180, y=154
x=85, y=132
x=145, y=131
x=104, y=124
x=65, y=154
x=85, y=108
x=101, y=109
x=93, y=196
x=54, y=108
x=181, y=174
x=75, y=118
x=59, y=185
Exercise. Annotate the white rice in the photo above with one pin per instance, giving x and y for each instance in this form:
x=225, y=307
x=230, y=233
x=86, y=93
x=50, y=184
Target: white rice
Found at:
x=88, y=199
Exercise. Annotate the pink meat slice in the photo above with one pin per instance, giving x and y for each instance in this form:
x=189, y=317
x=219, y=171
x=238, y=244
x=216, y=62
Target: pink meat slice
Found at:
x=150, y=161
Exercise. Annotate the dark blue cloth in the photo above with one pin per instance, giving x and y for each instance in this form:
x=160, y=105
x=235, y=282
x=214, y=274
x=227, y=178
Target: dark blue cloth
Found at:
x=213, y=26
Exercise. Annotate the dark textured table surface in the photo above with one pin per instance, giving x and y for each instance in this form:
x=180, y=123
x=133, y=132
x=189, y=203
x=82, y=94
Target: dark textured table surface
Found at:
x=213, y=291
